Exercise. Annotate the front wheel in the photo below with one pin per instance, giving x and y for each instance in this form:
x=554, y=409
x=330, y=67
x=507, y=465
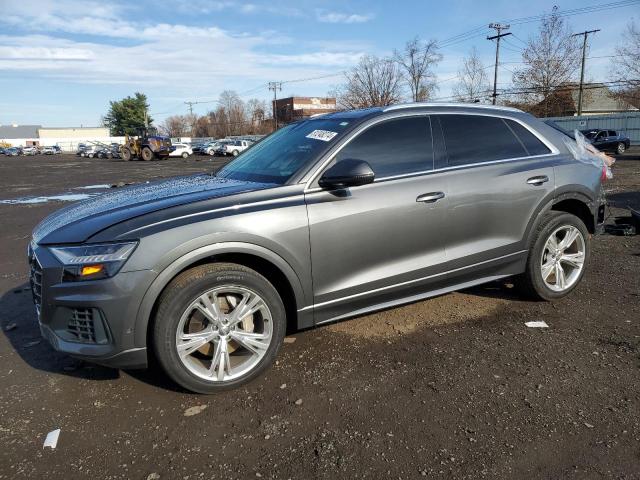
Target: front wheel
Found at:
x=126, y=154
x=558, y=256
x=218, y=326
x=147, y=154
x=185, y=155
x=621, y=148
x=235, y=153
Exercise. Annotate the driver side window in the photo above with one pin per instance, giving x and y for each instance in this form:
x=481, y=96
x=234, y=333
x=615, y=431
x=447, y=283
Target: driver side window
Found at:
x=393, y=147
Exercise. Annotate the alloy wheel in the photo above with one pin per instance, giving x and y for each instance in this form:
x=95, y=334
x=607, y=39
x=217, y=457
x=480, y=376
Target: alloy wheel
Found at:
x=563, y=258
x=224, y=333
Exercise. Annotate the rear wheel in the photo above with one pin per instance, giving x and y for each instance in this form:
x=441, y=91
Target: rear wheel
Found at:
x=621, y=148
x=218, y=326
x=558, y=256
x=147, y=154
x=126, y=154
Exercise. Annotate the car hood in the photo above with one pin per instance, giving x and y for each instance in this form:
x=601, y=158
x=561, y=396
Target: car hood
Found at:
x=79, y=221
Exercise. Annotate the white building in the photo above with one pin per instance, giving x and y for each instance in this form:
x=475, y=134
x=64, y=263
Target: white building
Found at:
x=67, y=138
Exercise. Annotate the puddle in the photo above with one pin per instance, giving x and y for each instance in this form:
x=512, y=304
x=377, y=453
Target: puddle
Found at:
x=63, y=197
x=94, y=187
x=67, y=197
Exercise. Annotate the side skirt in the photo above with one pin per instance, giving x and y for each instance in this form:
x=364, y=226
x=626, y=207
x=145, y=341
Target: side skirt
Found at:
x=414, y=298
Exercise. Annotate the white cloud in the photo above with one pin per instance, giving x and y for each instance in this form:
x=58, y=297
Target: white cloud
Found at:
x=338, y=17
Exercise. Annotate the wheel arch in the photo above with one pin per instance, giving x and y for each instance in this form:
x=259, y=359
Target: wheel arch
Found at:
x=575, y=199
x=264, y=261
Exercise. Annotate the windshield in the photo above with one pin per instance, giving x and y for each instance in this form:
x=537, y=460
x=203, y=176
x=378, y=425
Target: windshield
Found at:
x=283, y=153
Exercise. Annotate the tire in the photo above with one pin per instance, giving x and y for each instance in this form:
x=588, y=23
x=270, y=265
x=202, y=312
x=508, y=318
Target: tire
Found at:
x=185, y=155
x=542, y=260
x=126, y=154
x=235, y=153
x=147, y=154
x=177, y=316
x=621, y=148
x=90, y=155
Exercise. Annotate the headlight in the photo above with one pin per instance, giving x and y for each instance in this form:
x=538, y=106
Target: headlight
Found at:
x=90, y=262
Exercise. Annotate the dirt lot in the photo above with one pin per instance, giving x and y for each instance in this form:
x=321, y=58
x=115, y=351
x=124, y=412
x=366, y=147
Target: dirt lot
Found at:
x=453, y=387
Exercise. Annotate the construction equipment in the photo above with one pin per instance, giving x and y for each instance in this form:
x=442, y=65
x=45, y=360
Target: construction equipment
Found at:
x=146, y=146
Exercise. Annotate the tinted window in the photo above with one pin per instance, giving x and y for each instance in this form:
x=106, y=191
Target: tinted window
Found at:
x=612, y=133
x=394, y=147
x=475, y=139
x=532, y=144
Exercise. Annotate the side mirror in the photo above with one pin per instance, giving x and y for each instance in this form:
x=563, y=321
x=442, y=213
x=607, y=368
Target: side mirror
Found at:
x=347, y=173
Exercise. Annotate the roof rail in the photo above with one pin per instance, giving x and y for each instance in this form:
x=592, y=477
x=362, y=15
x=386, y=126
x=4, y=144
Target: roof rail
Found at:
x=447, y=104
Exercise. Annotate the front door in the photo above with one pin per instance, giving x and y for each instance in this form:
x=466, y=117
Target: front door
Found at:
x=375, y=243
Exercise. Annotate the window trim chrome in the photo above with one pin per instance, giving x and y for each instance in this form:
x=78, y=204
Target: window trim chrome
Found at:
x=330, y=155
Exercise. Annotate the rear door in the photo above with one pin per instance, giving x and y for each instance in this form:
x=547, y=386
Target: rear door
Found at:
x=498, y=172
x=376, y=243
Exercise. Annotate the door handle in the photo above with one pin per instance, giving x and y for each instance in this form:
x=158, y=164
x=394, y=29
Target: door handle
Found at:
x=538, y=180
x=430, y=197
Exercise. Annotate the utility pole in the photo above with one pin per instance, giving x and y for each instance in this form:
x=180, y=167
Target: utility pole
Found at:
x=585, y=34
x=275, y=86
x=498, y=27
x=191, y=104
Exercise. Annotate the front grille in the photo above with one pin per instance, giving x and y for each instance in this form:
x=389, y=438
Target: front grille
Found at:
x=35, y=279
x=81, y=325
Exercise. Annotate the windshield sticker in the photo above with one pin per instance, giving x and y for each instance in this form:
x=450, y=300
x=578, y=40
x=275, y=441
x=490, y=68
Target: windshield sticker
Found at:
x=324, y=135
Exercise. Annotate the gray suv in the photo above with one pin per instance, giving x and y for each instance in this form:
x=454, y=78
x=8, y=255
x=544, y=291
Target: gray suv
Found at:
x=327, y=218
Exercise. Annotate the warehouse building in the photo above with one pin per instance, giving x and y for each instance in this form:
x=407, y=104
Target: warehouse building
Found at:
x=297, y=108
x=67, y=138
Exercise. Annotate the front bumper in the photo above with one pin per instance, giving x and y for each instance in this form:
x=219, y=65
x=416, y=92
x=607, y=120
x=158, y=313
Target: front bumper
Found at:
x=92, y=320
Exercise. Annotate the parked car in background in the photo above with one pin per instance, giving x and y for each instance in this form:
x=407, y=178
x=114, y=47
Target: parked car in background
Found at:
x=609, y=141
x=234, y=147
x=13, y=152
x=88, y=151
x=2, y=149
x=207, y=273
x=30, y=151
x=181, y=150
x=48, y=151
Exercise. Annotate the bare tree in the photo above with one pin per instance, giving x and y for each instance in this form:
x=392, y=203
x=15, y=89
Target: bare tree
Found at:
x=373, y=82
x=474, y=81
x=178, y=125
x=626, y=66
x=551, y=58
x=416, y=62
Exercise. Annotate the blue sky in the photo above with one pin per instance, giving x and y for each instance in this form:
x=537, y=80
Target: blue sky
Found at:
x=62, y=61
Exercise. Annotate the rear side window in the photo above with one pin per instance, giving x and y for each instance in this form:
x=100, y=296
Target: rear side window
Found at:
x=473, y=139
x=393, y=147
x=531, y=143
x=612, y=133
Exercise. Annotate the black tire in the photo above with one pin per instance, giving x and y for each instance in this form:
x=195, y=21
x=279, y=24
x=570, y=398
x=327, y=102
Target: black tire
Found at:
x=187, y=287
x=185, y=155
x=621, y=148
x=147, y=154
x=126, y=154
x=235, y=153
x=531, y=282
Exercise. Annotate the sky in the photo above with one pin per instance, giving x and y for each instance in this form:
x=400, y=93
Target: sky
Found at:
x=62, y=61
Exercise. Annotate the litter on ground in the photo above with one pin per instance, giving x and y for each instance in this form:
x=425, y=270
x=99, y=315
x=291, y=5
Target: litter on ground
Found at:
x=52, y=439
x=537, y=324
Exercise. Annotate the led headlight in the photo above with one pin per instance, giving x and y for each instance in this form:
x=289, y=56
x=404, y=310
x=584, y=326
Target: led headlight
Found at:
x=93, y=261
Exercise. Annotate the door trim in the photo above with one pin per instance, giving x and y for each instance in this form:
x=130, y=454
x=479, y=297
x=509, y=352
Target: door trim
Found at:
x=408, y=282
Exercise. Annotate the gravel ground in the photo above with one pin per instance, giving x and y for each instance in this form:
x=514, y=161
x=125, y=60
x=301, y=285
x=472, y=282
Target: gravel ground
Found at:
x=452, y=387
